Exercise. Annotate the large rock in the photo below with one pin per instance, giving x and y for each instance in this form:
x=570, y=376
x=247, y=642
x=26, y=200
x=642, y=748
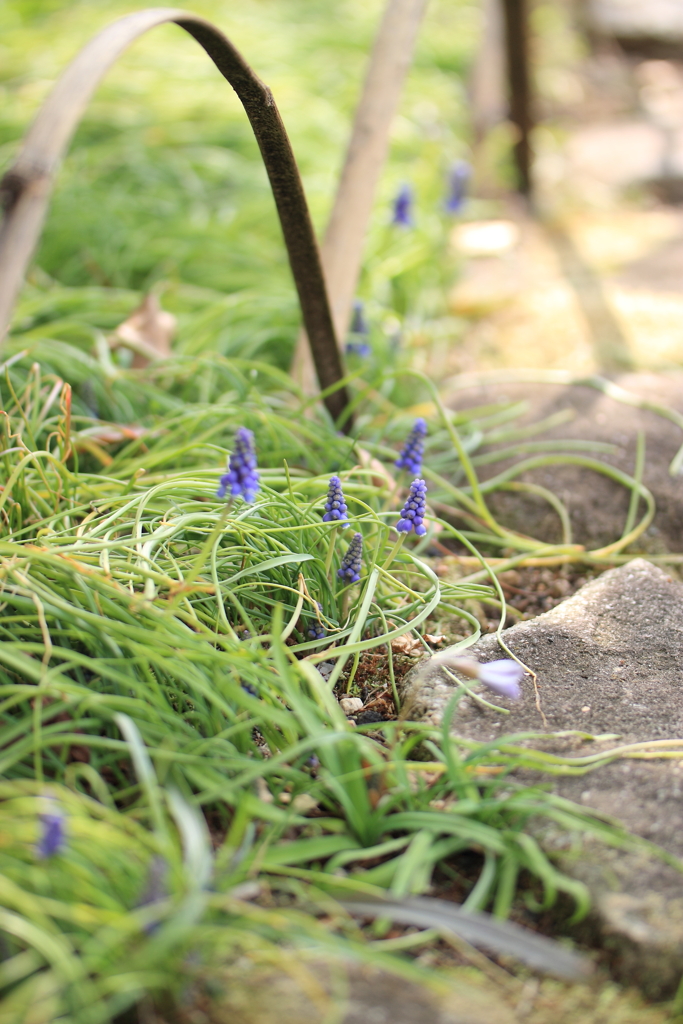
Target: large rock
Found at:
x=608, y=660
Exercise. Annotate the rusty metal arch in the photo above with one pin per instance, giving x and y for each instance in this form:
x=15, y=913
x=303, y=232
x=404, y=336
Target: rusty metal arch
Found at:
x=25, y=188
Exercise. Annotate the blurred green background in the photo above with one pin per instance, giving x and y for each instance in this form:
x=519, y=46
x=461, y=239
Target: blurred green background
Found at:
x=164, y=182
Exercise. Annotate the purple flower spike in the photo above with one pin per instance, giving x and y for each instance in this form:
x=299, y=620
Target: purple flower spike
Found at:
x=52, y=838
x=316, y=630
x=359, y=324
x=358, y=348
x=411, y=456
x=413, y=511
x=242, y=476
x=335, y=506
x=351, y=562
x=403, y=207
x=503, y=677
x=457, y=186
x=358, y=333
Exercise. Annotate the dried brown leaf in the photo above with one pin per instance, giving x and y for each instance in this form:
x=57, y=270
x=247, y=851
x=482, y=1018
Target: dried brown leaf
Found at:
x=406, y=644
x=148, y=331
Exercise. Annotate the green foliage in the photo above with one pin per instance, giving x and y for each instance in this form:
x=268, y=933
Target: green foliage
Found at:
x=154, y=661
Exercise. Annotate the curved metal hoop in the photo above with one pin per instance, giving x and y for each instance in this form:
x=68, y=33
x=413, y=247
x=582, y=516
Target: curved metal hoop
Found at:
x=25, y=188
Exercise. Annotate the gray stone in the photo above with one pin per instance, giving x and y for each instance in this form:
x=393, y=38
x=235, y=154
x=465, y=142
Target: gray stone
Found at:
x=356, y=995
x=608, y=660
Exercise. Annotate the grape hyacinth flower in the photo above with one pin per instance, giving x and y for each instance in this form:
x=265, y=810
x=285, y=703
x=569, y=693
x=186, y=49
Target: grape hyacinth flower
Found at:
x=413, y=511
x=411, y=456
x=359, y=324
x=457, y=186
x=403, y=207
x=351, y=562
x=316, y=630
x=52, y=838
x=335, y=506
x=242, y=477
x=358, y=333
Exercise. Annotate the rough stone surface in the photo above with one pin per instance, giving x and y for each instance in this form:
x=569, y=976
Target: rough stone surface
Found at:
x=608, y=660
x=364, y=996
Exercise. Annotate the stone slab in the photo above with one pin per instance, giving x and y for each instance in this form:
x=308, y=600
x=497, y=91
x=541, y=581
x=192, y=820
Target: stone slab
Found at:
x=608, y=660
x=312, y=993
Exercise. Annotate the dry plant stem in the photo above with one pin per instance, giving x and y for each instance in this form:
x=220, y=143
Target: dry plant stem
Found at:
x=488, y=571
x=25, y=189
x=289, y=628
x=342, y=248
x=465, y=690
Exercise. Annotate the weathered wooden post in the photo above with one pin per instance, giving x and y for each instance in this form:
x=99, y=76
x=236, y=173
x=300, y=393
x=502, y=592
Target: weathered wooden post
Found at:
x=342, y=247
x=516, y=22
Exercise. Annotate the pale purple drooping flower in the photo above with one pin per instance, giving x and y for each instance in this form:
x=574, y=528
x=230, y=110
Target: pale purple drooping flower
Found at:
x=242, y=477
x=335, y=506
x=351, y=562
x=413, y=450
x=503, y=677
x=412, y=513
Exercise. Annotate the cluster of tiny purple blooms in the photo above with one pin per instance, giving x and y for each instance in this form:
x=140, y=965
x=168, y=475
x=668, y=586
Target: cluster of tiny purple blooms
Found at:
x=351, y=562
x=242, y=479
x=403, y=206
x=412, y=513
x=413, y=451
x=335, y=506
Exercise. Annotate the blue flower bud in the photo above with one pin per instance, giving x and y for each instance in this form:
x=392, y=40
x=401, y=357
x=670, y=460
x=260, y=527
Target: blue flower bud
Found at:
x=52, y=837
x=458, y=179
x=359, y=324
x=403, y=207
x=316, y=630
x=413, y=451
x=358, y=333
x=242, y=477
x=352, y=560
x=413, y=511
x=335, y=506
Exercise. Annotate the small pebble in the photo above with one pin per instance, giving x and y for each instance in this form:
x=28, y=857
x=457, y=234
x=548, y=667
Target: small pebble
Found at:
x=350, y=705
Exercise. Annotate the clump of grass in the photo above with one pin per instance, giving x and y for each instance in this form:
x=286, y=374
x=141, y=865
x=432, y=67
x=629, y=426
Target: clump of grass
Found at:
x=155, y=663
